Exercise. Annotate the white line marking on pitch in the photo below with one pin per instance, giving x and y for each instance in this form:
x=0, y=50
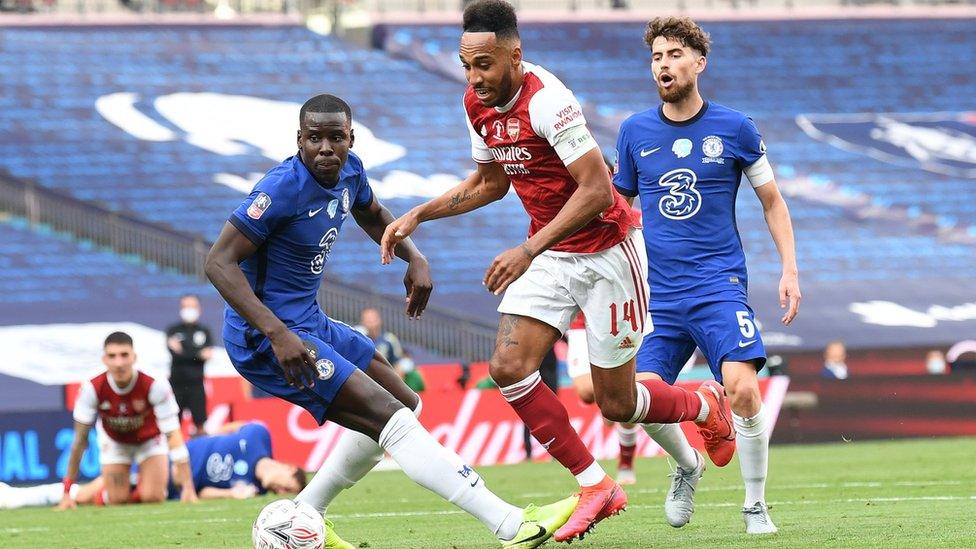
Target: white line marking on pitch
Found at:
x=809, y=486
x=393, y=514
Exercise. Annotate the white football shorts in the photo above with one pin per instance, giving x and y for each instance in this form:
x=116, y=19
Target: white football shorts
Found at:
x=609, y=286
x=114, y=452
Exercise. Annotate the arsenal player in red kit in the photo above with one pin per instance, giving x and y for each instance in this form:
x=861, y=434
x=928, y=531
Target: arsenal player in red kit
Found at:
x=139, y=423
x=584, y=252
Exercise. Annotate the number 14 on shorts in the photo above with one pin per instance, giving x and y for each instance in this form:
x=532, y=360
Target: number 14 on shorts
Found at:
x=630, y=314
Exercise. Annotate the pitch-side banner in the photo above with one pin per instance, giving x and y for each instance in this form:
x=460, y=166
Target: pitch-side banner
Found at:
x=479, y=425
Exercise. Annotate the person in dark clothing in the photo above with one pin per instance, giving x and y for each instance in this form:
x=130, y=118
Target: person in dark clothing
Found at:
x=191, y=346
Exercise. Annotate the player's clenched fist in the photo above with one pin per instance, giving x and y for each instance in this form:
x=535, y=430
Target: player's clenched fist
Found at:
x=395, y=233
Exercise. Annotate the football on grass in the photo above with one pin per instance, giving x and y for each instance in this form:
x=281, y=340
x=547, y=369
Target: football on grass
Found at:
x=288, y=524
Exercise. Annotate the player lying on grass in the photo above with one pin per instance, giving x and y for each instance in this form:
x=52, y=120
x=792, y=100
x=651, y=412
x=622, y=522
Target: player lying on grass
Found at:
x=267, y=263
x=139, y=424
x=237, y=464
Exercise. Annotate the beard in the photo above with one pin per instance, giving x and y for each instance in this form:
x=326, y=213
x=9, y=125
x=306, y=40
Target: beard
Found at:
x=676, y=93
x=504, y=91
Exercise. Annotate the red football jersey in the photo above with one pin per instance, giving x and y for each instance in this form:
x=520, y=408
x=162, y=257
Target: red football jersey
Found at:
x=534, y=138
x=130, y=415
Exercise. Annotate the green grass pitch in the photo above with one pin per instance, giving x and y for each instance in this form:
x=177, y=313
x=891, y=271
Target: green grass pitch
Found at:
x=919, y=493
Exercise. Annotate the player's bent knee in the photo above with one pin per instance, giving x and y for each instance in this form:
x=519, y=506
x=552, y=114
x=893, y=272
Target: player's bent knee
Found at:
x=744, y=400
x=507, y=369
x=116, y=497
x=615, y=410
x=153, y=496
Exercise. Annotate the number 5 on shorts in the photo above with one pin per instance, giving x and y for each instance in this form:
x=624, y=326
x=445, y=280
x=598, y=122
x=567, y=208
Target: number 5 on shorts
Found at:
x=746, y=325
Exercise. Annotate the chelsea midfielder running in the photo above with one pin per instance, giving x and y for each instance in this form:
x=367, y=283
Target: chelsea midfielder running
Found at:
x=685, y=159
x=268, y=263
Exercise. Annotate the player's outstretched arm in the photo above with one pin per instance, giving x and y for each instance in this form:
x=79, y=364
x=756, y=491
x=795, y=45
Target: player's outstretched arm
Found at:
x=224, y=271
x=78, y=447
x=484, y=186
x=781, y=228
x=374, y=219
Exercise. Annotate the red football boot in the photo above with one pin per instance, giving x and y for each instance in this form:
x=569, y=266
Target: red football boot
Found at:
x=717, y=429
x=595, y=504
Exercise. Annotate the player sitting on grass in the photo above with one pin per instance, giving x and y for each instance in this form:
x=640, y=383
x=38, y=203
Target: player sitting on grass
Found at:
x=267, y=263
x=138, y=423
x=237, y=464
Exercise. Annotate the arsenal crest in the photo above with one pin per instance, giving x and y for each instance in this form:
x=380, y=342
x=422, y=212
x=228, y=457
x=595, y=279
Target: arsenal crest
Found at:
x=512, y=127
x=139, y=406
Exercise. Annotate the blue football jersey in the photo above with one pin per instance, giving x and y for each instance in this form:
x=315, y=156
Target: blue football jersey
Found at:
x=222, y=461
x=294, y=222
x=687, y=175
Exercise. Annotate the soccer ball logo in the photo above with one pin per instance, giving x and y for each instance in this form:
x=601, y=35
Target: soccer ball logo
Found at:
x=288, y=524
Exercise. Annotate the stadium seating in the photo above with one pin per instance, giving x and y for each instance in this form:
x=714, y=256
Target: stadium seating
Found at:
x=55, y=135
x=776, y=71
x=50, y=277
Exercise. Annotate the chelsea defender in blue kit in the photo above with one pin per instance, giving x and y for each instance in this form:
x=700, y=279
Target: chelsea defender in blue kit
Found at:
x=267, y=263
x=238, y=463
x=685, y=159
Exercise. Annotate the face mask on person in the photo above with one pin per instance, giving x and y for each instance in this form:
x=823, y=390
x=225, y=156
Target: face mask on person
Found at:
x=189, y=314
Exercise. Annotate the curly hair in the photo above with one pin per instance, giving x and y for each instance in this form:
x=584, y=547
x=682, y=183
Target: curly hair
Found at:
x=682, y=29
x=495, y=16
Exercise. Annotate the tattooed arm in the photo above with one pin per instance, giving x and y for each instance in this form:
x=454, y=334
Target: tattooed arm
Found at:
x=488, y=184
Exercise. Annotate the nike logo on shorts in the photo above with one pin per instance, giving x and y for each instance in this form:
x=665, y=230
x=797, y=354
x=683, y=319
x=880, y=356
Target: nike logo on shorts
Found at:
x=746, y=343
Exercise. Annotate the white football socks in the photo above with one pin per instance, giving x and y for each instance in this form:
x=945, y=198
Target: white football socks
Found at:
x=443, y=472
x=35, y=496
x=752, y=444
x=627, y=436
x=671, y=439
x=354, y=455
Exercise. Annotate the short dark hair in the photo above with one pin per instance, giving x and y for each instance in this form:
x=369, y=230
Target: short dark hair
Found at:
x=118, y=338
x=497, y=16
x=682, y=29
x=324, y=103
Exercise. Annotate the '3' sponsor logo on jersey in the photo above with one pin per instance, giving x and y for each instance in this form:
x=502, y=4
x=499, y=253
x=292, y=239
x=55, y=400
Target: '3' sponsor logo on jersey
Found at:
x=682, y=200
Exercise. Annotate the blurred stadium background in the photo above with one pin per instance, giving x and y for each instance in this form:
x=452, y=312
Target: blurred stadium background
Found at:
x=130, y=130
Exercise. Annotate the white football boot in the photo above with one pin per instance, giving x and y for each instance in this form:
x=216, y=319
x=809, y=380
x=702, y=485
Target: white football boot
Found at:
x=680, y=501
x=757, y=519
